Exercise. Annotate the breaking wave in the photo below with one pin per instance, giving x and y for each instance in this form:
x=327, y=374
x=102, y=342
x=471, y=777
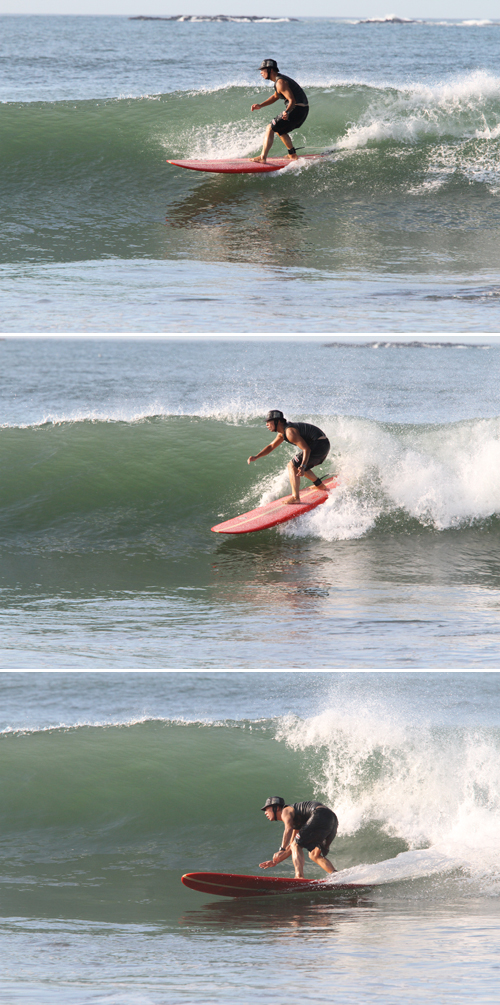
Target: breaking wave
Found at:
x=187, y=794
x=158, y=481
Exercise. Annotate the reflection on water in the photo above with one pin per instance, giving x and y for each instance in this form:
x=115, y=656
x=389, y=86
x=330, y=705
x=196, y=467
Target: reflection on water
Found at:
x=320, y=218
x=316, y=569
x=292, y=915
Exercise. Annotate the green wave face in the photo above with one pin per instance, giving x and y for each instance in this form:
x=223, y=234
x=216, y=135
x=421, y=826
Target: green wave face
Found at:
x=100, y=822
x=100, y=166
x=101, y=484
x=99, y=788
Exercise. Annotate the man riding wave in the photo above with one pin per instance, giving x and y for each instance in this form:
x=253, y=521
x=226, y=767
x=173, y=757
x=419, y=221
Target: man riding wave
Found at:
x=310, y=825
x=313, y=445
x=295, y=114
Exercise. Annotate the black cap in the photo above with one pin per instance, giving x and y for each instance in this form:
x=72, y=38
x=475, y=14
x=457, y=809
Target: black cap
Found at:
x=274, y=801
x=268, y=64
x=275, y=415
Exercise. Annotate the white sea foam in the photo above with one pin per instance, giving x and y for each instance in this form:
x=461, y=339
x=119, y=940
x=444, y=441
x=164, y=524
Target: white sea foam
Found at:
x=388, y=19
x=218, y=140
x=443, y=476
x=438, y=789
x=468, y=107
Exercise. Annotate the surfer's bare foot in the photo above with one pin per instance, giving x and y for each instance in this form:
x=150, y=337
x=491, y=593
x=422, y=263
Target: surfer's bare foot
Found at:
x=291, y=501
x=259, y=160
x=320, y=488
x=293, y=157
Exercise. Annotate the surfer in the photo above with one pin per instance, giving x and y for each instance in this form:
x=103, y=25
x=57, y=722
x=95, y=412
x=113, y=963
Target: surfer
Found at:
x=309, y=825
x=295, y=114
x=313, y=445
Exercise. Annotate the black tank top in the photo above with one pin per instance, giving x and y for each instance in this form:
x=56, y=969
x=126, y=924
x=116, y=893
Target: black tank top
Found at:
x=302, y=812
x=299, y=95
x=311, y=434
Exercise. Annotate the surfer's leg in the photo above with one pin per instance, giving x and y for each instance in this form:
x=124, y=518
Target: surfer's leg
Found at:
x=316, y=855
x=317, y=835
x=283, y=127
x=287, y=140
x=317, y=457
x=318, y=484
x=268, y=142
x=298, y=860
x=294, y=483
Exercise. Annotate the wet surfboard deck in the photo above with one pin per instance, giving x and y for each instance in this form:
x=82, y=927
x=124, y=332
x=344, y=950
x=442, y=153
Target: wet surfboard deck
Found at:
x=243, y=165
x=276, y=512
x=226, y=884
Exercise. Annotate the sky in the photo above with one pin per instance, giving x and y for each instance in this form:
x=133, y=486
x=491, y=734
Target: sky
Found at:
x=452, y=9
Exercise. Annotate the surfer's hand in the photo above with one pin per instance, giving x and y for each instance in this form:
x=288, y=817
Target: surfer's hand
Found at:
x=255, y=108
x=250, y=459
x=266, y=865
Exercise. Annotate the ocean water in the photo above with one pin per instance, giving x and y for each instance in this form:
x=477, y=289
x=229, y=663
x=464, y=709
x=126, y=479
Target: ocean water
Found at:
x=396, y=230
x=119, y=455
x=115, y=784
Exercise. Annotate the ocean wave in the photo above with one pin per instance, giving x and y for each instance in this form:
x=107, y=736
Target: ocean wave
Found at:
x=189, y=795
x=115, y=485
x=394, y=19
x=415, y=138
x=484, y=23
x=411, y=344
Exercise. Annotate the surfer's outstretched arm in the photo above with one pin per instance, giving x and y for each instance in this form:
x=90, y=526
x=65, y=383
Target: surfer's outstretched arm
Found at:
x=267, y=450
x=263, y=104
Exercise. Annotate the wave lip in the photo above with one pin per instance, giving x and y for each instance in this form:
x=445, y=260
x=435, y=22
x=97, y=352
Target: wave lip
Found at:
x=464, y=109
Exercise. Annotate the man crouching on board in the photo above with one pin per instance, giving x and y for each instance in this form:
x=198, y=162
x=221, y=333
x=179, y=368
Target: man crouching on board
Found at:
x=309, y=825
x=313, y=444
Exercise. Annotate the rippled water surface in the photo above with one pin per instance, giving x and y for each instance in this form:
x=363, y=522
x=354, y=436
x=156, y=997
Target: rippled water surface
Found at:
x=396, y=229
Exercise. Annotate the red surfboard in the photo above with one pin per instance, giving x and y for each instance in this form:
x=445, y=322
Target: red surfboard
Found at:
x=226, y=884
x=243, y=165
x=278, y=511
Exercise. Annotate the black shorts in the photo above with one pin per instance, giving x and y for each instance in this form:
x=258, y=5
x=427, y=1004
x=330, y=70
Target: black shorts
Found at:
x=319, y=831
x=317, y=456
x=296, y=118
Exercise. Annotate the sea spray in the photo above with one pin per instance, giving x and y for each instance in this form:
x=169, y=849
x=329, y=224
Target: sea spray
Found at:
x=434, y=788
x=434, y=477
